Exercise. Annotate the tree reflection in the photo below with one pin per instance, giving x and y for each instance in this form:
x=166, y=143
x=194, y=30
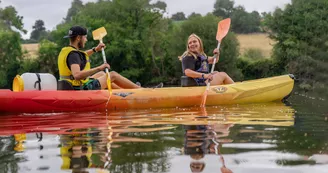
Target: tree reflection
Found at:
x=9, y=162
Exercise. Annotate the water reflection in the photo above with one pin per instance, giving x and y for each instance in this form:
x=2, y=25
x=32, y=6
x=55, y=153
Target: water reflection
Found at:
x=201, y=140
x=214, y=139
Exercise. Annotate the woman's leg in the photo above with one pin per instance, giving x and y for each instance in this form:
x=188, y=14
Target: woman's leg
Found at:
x=221, y=78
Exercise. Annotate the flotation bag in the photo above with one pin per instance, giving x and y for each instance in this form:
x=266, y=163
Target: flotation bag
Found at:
x=34, y=81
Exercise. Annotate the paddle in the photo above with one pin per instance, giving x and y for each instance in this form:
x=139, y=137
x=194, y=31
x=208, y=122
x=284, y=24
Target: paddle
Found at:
x=98, y=34
x=223, y=29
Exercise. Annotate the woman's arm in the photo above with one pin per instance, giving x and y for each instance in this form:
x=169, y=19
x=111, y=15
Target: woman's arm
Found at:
x=194, y=74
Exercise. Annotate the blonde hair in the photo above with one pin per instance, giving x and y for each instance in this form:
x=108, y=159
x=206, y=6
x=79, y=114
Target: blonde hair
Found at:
x=189, y=53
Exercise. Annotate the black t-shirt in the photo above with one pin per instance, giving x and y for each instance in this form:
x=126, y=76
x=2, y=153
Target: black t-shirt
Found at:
x=189, y=62
x=76, y=57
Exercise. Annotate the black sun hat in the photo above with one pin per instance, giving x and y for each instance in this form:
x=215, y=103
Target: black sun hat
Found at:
x=76, y=31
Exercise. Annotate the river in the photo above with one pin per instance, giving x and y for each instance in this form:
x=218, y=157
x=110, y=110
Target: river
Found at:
x=255, y=138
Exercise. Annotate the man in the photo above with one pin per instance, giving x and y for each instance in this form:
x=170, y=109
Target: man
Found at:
x=74, y=65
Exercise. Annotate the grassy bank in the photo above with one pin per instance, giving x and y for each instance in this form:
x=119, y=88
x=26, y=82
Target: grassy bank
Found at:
x=256, y=41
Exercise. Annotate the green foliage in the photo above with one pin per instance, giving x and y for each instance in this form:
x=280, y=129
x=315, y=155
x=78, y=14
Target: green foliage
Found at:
x=223, y=8
x=160, y=5
x=257, y=69
x=29, y=65
x=300, y=32
x=193, y=14
x=241, y=20
x=9, y=18
x=244, y=22
x=48, y=54
x=10, y=56
x=77, y=5
x=132, y=73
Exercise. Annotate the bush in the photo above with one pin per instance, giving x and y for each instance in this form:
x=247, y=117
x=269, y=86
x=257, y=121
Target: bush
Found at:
x=257, y=69
x=10, y=57
x=48, y=54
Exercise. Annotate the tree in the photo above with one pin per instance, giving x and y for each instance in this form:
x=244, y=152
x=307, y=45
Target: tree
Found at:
x=76, y=6
x=244, y=22
x=193, y=14
x=160, y=5
x=10, y=56
x=10, y=47
x=9, y=18
x=178, y=16
x=39, y=31
x=301, y=35
x=223, y=8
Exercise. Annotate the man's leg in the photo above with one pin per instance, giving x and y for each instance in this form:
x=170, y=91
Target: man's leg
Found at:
x=98, y=75
x=118, y=81
x=121, y=81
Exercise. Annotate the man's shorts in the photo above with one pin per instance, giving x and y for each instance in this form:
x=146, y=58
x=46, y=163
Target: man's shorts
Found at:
x=92, y=84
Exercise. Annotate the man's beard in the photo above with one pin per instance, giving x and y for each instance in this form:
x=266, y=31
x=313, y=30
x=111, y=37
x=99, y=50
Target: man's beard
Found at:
x=80, y=44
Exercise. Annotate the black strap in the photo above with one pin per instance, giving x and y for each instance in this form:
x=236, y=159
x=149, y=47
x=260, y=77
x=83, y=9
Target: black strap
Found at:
x=39, y=136
x=38, y=82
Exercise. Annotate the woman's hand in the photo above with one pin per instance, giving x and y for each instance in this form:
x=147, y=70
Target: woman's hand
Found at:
x=208, y=76
x=216, y=51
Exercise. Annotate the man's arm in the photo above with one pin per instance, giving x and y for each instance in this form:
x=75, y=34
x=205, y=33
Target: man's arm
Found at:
x=95, y=49
x=79, y=75
x=74, y=62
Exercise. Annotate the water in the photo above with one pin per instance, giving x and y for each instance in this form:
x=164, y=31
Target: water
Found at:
x=270, y=137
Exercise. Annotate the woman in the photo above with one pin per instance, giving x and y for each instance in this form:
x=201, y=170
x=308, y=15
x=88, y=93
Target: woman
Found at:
x=195, y=64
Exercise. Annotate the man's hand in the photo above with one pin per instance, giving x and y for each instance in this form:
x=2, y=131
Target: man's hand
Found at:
x=100, y=46
x=103, y=67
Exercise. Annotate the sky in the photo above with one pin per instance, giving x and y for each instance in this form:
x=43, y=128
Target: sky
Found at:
x=52, y=12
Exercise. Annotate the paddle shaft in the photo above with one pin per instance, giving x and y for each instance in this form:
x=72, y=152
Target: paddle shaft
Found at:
x=213, y=65
x=107, y=72
x=103, y=55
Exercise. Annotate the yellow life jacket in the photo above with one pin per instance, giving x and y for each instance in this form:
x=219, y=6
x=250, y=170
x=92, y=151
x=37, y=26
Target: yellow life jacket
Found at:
x=64, y=72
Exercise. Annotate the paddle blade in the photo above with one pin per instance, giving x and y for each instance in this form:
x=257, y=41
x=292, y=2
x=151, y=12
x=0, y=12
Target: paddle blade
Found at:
x=99, y=33
x=204, y=97
x=223, y=29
